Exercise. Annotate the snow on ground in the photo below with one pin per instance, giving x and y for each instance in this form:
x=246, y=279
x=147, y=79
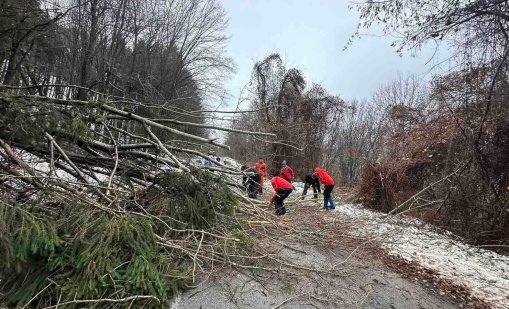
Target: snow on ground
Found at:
x=484, y=272
x=230, y=162
x=299, y=188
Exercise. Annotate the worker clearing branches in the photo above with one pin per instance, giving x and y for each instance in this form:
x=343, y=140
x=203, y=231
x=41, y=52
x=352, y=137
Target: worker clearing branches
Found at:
x=251, y=181
x=311, y=180
x=283, y=188
x=261, y=167
x=328, y=183
x=286, y=172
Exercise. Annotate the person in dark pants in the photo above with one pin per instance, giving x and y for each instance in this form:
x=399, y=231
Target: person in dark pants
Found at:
x=283, y=189
x=311, y=180
x=328, y=183
x=251, y=181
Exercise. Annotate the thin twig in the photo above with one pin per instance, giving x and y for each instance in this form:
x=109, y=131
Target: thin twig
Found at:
x=105, y=300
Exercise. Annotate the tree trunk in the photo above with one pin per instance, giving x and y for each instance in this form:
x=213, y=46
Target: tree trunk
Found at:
x=88, y=51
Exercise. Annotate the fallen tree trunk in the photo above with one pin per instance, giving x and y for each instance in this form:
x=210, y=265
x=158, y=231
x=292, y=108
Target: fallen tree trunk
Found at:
x=92, y=212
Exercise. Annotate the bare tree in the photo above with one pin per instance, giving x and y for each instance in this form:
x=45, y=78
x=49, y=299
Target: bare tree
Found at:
x=462, y=143
x=298, y=115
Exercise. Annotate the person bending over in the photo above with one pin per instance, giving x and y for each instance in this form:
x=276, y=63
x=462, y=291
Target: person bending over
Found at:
x=283, y=189
x=328, y=183
x=251, y=181
x=311, y=180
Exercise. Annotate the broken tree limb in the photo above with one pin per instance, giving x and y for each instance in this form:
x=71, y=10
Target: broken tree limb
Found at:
x=76, y=169
x=164, y=149
x=416, y=195
x=70, y=102
x=197, y=125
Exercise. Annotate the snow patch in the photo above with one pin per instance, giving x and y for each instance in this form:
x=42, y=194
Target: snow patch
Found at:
x=176, y=301
x=299, y=188
x=484, y=272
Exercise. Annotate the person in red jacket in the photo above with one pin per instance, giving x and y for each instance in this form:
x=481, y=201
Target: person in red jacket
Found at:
x=283, y=188
x=261, y=167
x=328, y=183
x=286, y=172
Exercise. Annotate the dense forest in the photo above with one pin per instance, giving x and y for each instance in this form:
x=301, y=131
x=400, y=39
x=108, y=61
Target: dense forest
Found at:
x=105, y=107
x=171, y=54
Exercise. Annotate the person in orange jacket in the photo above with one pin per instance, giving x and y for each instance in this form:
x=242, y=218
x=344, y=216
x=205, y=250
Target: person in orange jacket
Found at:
x=261, y=167
x=283, y=189
x=286, y=172
x=328, y=183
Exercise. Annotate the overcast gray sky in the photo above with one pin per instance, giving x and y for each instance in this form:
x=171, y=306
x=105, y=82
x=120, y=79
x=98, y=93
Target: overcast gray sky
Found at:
x=310, y=35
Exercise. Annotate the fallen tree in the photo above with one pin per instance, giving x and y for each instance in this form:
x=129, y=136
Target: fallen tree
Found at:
x=97, y=209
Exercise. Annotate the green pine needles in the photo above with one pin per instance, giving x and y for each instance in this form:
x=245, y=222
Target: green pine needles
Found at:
x=60, y=251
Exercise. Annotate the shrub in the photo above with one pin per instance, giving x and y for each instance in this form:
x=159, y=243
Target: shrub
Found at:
x=444, y=179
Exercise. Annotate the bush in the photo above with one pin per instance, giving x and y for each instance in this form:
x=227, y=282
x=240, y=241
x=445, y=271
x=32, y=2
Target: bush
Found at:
x=464, y=189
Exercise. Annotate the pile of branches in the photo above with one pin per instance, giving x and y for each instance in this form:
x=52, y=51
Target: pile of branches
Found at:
x=99, y=208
